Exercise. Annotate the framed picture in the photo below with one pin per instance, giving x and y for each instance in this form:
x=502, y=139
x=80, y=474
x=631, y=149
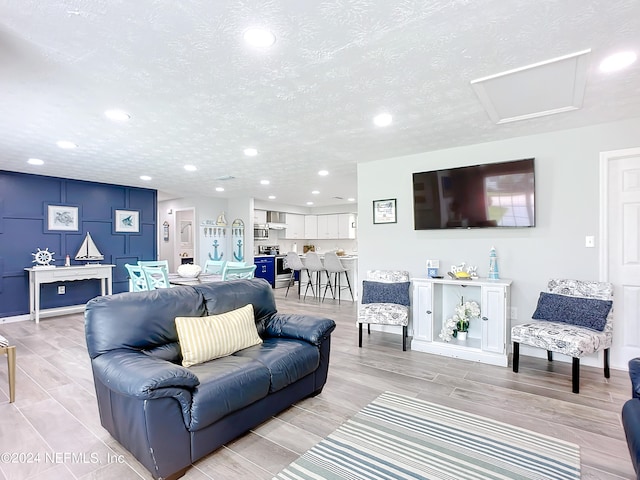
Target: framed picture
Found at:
x=384, y=211
x=62, y=218
x=126, y=221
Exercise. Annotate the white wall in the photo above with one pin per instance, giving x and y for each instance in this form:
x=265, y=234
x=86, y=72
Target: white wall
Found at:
x=567, y=209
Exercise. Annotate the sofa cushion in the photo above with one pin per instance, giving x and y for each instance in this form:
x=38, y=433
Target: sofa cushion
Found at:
x=227, y=384
x=220, y=297
x=287, y=360
x=138, y=320
x=385, y=292
x=207, y=338
x=579, y=311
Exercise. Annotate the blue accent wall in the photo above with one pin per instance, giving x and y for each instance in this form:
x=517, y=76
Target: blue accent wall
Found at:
x=23, y=229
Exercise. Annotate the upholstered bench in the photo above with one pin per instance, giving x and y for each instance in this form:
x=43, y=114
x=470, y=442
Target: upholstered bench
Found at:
x=10, y=351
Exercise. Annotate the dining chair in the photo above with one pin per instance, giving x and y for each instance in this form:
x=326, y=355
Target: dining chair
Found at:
x=10, y=351
x=154, y=263
x=157, y=277
x=314, y=267
x=237, y=273
x=334, y=267
x=214, y=267
x=293, y=262
x=236, y=264
x=574, y=318
x=138, y=281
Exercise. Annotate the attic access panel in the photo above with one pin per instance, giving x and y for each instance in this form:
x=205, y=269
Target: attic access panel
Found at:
x=544, y=88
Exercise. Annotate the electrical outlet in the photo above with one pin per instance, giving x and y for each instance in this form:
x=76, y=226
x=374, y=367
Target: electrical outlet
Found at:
x=514, y=313
x=61, y=290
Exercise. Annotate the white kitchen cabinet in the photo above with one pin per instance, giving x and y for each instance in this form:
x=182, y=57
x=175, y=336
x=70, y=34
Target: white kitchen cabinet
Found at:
x=346, y=225
x=295, y=227
x=328, y=226
x=260, y=217
x=433, y=303
x=310, y=227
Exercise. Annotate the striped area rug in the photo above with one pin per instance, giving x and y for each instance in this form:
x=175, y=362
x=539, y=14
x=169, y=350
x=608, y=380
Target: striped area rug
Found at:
x=398, y=437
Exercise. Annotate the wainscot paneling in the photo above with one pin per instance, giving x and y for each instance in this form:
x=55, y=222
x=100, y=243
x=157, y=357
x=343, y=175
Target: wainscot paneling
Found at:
x=24, y=229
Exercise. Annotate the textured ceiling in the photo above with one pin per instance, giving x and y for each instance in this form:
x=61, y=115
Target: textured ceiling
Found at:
x=198, y=95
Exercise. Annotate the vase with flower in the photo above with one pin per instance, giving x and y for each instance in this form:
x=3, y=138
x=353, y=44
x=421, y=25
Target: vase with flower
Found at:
x=458, y=325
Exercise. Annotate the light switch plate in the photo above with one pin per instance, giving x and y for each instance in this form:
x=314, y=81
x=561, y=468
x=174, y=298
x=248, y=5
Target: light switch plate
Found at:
x=589, y=241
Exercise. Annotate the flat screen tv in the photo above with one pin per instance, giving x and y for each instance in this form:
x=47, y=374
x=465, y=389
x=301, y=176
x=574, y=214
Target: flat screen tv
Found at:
x=479, y=196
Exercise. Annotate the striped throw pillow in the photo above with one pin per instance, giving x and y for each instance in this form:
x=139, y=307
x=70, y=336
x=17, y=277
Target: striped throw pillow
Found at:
x=206, y=338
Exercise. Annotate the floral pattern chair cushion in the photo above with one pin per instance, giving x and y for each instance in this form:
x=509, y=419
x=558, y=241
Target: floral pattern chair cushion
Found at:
x=570, y=340
x=396, y=314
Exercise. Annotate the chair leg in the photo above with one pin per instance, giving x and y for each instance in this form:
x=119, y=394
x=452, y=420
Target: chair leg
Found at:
x=550, y=355
x=11, y=364
x=404, y=338
x=516, y=357
x=327, y=286
x=369, y=328
x=360, y=335
x=346, y=274
x=291, y=279
x=606, y=363
x=575, y=375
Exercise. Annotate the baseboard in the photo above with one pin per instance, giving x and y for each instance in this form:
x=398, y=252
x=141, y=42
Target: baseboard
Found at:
x=49, y=312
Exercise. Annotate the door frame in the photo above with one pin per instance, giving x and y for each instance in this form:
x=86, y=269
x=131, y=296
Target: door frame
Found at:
x=605, y=158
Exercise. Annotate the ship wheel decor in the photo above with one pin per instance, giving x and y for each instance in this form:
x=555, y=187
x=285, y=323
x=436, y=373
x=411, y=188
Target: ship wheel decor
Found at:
x=43, y=257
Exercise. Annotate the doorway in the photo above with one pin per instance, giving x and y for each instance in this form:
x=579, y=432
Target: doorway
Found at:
x=185, y=237
x=620, y=247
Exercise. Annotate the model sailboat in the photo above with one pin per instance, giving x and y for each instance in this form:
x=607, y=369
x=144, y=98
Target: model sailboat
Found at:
x=88, y=251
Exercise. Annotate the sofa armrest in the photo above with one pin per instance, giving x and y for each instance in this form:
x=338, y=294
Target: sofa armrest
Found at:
x=135, y=374
x=301, y=327
x=634, y=374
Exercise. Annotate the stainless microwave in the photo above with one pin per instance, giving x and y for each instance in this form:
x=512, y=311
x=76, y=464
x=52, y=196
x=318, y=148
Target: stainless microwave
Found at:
x=260, y=231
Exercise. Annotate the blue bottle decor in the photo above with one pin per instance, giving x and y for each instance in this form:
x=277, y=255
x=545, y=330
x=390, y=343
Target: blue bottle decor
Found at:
x=493, y=264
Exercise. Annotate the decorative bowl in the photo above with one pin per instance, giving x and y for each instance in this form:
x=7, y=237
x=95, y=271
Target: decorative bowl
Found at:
x=189, y=270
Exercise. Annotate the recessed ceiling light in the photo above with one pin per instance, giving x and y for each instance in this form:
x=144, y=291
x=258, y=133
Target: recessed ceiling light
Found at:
x=323, y=173
x=35, y=161
x=250, y=152
x=66, y=144
x=309, y=203
x=617, y=61
x=146, y=178
x=117, y=115
x=351, y=199
x=259, y=37
x=190, y=168
x=383, y=120
x=272, y=197
x=316, y=192
x=219, y=189
x=264, y=182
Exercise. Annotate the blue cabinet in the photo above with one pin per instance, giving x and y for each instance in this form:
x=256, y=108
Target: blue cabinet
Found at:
x=266, y=268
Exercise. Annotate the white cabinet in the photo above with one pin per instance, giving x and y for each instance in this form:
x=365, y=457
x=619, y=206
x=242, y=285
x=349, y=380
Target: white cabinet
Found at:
x=260, y=217
x=311, y=227
x=433, y=303
x=346, y=225
x=295, y=227
x=327, y=226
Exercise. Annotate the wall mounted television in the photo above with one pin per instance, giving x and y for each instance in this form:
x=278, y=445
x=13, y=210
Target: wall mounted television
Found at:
x=479, y=196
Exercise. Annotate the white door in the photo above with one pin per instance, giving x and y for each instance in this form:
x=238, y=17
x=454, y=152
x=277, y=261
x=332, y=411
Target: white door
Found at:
x=620, y=248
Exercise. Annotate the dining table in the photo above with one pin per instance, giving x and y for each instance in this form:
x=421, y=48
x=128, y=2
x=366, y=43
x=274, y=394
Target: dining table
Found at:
x=175, y=279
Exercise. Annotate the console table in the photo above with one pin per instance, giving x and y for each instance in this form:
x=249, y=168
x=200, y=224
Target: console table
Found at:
x=434, y=300
x=38, y=276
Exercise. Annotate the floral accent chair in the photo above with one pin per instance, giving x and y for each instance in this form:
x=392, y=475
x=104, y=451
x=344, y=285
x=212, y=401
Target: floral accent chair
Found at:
x=385, y=301
x=575, y=318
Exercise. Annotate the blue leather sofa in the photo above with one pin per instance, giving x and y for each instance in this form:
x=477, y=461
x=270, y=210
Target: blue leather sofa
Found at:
x=169, y=416
x=631, y=415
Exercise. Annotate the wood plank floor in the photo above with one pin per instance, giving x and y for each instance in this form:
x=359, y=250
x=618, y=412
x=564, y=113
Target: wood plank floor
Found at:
x=55, y=413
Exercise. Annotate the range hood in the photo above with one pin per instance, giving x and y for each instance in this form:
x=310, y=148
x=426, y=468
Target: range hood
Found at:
x=276, y=220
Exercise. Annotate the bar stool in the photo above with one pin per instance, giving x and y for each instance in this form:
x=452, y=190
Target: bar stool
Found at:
x=334, y=266
x=313, y=264
x=293, y=263
x=10, y=350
